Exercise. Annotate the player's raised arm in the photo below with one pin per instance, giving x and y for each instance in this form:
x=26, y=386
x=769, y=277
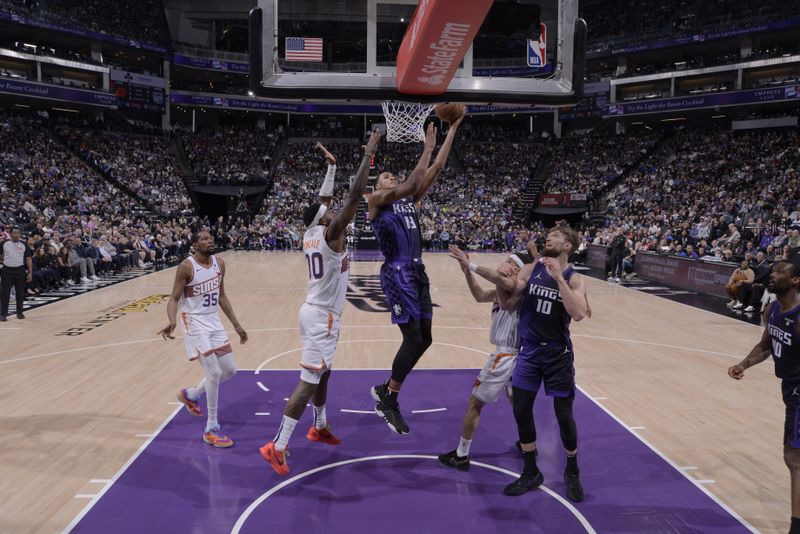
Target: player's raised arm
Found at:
x=427, y=179
x=326, y=191
x=337, y=227
x=480, y=294
x=382, y=197
x=183, y=275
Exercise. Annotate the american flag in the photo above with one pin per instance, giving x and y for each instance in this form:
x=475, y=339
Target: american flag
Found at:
x=303, y=49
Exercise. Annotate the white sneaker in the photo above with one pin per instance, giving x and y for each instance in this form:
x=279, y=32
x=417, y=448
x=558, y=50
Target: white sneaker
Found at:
x=610, y=279
x=70, y=282
x=738, y=306
x=619, y=280
x=749, y=309
x=85, y=280
x=95, y=277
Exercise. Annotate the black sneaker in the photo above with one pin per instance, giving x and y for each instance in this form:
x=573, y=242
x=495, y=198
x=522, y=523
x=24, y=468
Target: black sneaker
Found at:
x=20, y=316
x=451, y=459
x=524, y=483
x=2, y=318
x=391, y=414
x=574, y=488
x=379, y=392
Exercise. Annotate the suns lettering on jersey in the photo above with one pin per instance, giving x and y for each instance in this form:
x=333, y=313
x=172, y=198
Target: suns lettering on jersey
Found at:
x=203, y=287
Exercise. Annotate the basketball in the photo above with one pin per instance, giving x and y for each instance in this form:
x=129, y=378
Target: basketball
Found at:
x=449, y=112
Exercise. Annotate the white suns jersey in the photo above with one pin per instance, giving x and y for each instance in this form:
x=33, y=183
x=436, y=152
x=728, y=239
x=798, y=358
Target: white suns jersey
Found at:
x=327, y=271
x=201, y=294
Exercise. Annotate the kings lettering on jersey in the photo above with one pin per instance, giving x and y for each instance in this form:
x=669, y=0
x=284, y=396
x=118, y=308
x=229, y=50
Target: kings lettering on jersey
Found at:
x=543, y=317
x=781, y=328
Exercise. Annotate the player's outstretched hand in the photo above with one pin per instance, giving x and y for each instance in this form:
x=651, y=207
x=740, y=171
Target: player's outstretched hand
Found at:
x=507, y=270
x=330, y=158
x=242, y=335
x=372, y=145
x=456, y=123
x=553, y=267
x=461, y=257
x=166, y=332
x=430, y=137
x=736, y=371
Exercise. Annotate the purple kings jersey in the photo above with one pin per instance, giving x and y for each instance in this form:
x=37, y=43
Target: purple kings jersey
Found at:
x=543, y=317
x=397, y=230
x=785, y=350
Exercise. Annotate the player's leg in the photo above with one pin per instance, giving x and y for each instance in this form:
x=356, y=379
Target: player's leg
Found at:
x=320, y=430
x=386, y=394
x=491, y=382
x=531, y=477
x=213, y=434
x=559, y=383
x=791, y=450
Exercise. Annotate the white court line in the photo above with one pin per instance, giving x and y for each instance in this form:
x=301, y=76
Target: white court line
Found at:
x=144, y=435
x=11, y=328
x=429, y=411
x=175, y=403
x=262, y=386
x=689, y=468
x=262, y=413
x=345, y=410
x=271, y=358
x=675, y=466
x=255, y=504
x=599, y=398
x=86, y=495
x=637, y=428
x=707, y=481
x=119, y=473
x=100, y=481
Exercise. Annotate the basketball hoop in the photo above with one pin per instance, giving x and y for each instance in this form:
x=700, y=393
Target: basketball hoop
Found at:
x=405, y=121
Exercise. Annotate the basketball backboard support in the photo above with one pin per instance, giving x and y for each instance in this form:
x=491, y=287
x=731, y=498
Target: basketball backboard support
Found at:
x=360, y=40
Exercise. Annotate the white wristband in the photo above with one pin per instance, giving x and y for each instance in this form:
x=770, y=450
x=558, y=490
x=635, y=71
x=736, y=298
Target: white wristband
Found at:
x=327, y=184
x=473, y=267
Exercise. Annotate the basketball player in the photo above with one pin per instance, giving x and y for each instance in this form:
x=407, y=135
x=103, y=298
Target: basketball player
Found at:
x=393, y=214
x=199, y=293
x=328, y=271
x=495, y=377
x=778, y=340
x=552, y=295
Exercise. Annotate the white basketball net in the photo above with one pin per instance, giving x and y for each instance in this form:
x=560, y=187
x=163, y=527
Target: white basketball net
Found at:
x=405, y=122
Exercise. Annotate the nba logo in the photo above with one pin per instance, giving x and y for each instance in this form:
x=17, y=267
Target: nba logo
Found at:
x=537, y=50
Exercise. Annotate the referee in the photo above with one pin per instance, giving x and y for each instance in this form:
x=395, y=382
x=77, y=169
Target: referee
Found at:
x=15, y=255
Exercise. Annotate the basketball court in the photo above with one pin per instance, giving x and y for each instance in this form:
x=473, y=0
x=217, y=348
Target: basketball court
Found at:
x=668, y=442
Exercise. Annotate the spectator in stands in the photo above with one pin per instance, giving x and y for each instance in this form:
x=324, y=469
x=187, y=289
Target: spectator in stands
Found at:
x=742, y=274
x=750, y=293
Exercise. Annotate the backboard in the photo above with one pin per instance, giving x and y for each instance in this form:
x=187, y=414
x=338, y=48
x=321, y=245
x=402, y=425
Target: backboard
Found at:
x=359, y=50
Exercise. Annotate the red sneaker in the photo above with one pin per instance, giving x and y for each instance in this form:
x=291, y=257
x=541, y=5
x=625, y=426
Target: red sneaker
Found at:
x=325, y=436
x=276, y=458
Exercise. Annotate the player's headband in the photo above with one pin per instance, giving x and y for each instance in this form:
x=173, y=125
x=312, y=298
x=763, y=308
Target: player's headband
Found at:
x=320, y=212
x=516, y=259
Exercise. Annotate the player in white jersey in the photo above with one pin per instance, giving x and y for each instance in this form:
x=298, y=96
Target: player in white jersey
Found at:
x=328, y=271
x=495, y=377
x=199, y=294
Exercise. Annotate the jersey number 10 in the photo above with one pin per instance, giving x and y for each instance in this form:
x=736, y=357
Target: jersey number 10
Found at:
x=315, y=269
x=544, y=306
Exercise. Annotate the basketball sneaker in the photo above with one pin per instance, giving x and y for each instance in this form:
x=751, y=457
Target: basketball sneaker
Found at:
x=390, y=411
x=524, y=483
x=191, y=406
x=451, y=459
x=276, y=458
x=323, y=436
x=217, y=439
x=574, y=488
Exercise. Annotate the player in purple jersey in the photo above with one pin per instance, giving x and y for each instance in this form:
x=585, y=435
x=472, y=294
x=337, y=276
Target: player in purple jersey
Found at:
x=553, y=295
x=393, y=214
x=783, y=324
